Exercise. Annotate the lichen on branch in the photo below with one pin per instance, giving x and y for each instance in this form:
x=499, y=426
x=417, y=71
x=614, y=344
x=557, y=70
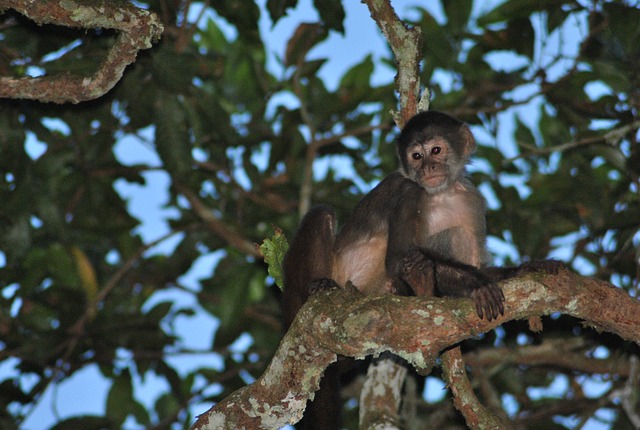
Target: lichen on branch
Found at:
x=137, y=29
x=348, y=323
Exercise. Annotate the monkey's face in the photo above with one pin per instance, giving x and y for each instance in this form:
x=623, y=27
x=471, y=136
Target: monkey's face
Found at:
x=431, y=164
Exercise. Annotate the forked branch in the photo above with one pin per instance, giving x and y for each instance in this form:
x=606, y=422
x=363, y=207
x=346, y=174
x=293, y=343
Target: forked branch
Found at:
x=348, y=323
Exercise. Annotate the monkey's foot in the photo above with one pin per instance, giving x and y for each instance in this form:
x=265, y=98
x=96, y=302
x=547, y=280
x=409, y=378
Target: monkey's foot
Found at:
x=489, y=301
x=551, y=267
x=418, y=271
x=322, y=284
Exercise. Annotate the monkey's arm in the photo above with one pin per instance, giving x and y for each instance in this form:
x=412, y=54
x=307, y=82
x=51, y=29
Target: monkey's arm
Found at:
x=427, y=265
x=425, y=270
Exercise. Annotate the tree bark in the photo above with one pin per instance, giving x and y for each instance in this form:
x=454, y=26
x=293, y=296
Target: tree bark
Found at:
x=138, y=29
x=348, y=323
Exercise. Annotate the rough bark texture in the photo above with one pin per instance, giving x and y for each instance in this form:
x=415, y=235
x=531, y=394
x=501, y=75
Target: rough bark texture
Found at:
x=137, y=28
x=381, y=395
x=348, y=323
x=406, y=44
x=475, y=413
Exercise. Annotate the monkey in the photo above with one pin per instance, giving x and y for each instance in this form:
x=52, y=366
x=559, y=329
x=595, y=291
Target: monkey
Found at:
x=421, y=231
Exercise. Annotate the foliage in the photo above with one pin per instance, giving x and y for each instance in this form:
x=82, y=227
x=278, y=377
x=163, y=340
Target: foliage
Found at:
x=555, y=111
x=273, y=251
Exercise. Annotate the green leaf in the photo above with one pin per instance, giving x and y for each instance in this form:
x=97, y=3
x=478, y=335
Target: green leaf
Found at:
x=120, y=398
x=273, y=251
x=513, y=9
x=522, y=36
x=213, y=38
x=332, y=13
x=554, y=131
x=244, y=15
x=439, y=50
x=226, y=296
x=278, y=8
x=306, y=36
x=84, y=422
x=159, y=311
x=121, y=403
x=523, y=134
x=458, y=13
x=355, y=83
x=167, y=405
x=172, y=136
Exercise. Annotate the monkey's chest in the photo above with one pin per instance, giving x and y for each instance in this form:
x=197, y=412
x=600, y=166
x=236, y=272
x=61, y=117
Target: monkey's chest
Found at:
x=442, y=219
x=450, y=230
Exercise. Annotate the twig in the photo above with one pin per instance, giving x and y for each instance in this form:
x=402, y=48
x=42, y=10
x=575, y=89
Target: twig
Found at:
x=611, y=138
x=216, y=226
x=77, y=330
x=627, y=394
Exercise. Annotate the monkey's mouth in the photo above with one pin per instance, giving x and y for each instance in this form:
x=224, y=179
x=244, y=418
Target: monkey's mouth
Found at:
x=435, y=180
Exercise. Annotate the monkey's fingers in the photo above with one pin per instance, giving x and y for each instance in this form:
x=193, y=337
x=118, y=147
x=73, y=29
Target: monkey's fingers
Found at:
x=322, y=284
x=480, y=308
x=483, y=305
x=489, y=301
x=498, y=301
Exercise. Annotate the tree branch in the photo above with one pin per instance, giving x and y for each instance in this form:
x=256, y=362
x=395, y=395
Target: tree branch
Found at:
x=560, y=353
x=348, y=323
x=381, y=395
x=137, y=28
x=476, y=415
x=406, y=45
x=214, y=224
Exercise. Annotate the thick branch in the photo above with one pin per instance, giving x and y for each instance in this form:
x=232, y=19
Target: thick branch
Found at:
x=138, y=29
x=348, y=323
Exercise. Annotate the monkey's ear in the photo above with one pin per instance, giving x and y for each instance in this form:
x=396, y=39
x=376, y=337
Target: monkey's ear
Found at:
x=469, y=142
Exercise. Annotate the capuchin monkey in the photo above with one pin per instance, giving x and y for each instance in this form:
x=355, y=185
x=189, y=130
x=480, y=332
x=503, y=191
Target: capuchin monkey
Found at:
x=420, y=232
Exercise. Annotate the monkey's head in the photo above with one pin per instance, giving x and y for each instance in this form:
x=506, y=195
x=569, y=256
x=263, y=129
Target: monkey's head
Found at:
x=434, y=148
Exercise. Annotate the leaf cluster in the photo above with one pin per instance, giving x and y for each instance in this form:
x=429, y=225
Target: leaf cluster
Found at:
x=235, y=135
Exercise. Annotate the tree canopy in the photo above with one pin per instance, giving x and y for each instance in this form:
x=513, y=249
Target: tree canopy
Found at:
x=232, y=136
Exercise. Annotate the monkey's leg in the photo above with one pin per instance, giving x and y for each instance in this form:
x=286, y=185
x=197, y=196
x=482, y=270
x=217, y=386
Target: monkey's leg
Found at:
x=309, y=259
x=307, y=269
x=461, y=280
x=427, y=272
x=419, y=273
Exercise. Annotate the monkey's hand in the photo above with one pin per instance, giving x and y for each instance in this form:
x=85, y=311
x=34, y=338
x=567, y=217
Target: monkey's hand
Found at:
x=322, y=284
x=461, y=280
x=418, y=272
x=551, y=267
x=489, y=300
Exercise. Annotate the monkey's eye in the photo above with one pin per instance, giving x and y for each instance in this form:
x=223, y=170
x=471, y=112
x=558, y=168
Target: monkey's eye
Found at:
x=416, y=156
x=436, y=150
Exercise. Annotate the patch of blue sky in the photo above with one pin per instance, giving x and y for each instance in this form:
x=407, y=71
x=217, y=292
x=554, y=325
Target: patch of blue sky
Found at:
x=74, y=396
